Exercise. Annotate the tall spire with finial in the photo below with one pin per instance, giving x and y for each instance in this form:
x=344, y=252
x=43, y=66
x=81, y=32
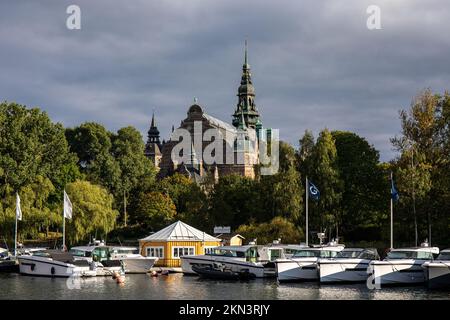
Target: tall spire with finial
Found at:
x=246, y=94
x=245, y=59
x=152, y=125
x=153, y=132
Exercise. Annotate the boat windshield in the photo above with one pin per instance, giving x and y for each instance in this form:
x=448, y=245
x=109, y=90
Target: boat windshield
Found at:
x=79, y=253
x=348, y=254
x=410, y=255
x=126, y=251
x=444, y=256
x=315, y=254
x=226, y=253
x=41, y=254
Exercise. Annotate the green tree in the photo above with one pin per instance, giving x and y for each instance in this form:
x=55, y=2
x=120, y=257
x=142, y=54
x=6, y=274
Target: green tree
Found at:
x=128, y=152
x=30, y=146
x=234, y=201
x=189, y=199
x=327, y=178
x=155, y=210
x=282, y=192
x=365, y=196
x=266, y=232
x=93, y=212
x=305, y=153
x=420, y=151
x=92, y=144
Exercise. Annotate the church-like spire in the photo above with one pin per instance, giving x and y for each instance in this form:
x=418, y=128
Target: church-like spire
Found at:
x=153, y=132
x=152, y=125
x=246, y=94
x=245, y=59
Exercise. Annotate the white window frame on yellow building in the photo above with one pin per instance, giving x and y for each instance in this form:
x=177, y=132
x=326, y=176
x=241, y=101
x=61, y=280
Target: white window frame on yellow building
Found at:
x=205, y=248
x=182, y=247
x=159, y=248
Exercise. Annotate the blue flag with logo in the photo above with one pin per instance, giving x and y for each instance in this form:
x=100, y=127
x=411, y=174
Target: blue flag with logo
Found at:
x=313, y=191
x=394, y=193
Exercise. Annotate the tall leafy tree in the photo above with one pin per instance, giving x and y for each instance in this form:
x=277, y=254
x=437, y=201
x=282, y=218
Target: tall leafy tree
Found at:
x=365, y=195
x=327, y=178
x=266, y=232
x=190, y=200
x=128, y=152
x=92, y=144
x=31, y=145
x=420, y=150
x=283, y=191
x=305, y=153
x=155, y=210
x=93, y=213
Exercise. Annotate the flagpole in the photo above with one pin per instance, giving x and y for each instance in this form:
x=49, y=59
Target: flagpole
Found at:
x=307, y=199
x=64, y=228
x=392, y=217
x=15, y=233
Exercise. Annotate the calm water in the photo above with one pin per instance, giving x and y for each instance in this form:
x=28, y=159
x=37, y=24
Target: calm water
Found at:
x=177, y=286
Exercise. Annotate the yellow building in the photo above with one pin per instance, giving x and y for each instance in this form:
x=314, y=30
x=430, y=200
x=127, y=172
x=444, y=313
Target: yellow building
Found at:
x=174, y=241
x=231, y=240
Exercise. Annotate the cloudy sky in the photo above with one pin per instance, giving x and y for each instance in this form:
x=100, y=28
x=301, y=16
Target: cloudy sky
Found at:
x=315, y=63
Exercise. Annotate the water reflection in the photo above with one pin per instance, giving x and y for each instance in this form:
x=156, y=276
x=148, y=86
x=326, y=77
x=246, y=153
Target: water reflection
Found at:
x=177, y=286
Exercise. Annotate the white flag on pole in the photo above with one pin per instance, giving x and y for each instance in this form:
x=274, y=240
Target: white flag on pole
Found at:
x=67, y=206
x=18, y=209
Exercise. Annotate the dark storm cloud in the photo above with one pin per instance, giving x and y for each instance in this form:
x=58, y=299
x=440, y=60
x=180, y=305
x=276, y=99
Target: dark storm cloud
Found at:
x=314, y=63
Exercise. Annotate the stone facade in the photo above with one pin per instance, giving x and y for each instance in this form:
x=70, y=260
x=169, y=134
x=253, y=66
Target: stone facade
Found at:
x=239, y=144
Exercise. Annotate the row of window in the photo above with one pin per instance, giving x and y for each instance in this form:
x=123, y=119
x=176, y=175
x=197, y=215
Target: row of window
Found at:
x=177, y=252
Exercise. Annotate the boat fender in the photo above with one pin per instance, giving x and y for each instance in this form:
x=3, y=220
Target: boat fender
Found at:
x=52, y=270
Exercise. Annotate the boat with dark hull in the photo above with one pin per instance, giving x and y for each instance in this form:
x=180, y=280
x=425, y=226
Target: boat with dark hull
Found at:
x=220, y=272
x=8, y=263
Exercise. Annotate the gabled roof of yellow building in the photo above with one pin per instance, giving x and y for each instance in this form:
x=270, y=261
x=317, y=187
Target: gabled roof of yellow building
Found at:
x=180, y=231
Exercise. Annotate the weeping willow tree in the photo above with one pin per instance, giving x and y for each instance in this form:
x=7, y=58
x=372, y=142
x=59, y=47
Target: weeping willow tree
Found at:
x=93, y=213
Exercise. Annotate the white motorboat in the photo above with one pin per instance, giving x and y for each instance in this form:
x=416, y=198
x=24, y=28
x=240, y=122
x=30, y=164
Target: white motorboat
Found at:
x=302, y=266
x=133, y=262
x=402, y=266
x=110, y=258
x=98, y=258
x=236, y=258
x=349, y=265
x=53, y=263
x=437, y=272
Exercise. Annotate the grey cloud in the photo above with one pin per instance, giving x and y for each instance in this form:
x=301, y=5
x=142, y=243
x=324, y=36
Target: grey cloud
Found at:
x=314, y=63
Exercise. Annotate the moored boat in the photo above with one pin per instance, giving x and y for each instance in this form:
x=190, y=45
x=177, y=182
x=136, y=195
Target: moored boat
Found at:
x=402, y=266
x=133, y=262
x=114, y=258
x=302, y=266
x=236, y=258
x=349, y=265
x=437, y=272
x=52, y=263
x=220, y=272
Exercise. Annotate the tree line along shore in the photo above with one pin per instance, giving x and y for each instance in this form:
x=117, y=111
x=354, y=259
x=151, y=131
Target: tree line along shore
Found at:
x=116, y=194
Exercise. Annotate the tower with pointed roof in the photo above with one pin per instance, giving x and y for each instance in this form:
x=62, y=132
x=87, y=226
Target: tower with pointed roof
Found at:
x=153, y=145
x=246, y=98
